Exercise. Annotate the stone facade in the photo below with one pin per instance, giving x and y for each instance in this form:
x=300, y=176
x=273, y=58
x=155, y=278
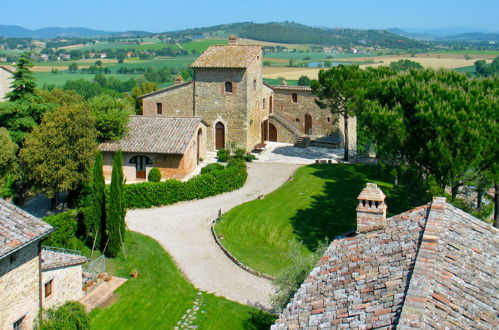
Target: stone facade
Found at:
x=5, y=82
x=19, y=286
x=245, y=111
x=66, y=285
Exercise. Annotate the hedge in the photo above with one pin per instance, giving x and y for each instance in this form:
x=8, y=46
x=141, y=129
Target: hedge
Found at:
x=214, y=182
x=66, y=229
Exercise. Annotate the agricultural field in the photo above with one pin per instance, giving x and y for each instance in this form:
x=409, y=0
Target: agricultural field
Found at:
x=60, y=78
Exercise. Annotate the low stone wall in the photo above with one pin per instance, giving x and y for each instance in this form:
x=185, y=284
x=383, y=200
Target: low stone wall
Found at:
x=234, y=259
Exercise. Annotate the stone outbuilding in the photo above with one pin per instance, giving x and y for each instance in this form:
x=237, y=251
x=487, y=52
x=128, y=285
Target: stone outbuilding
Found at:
x=31, y=277
x=228, y=93
x=175, y=145
x=434, y=266
x=5, y=82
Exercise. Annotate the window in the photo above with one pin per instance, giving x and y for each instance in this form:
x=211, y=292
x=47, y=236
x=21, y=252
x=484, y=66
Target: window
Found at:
x=263, y=103
x=48, y=288
x=294, y=96
x=254, y=84
x=159, y=108
x=228, y=87
x=18, y=325
x=297, y=120
x=328, y=119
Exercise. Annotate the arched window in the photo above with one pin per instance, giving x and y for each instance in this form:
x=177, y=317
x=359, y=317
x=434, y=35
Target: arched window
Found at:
x=141, y=163
x=294, y=96
x=228, y=87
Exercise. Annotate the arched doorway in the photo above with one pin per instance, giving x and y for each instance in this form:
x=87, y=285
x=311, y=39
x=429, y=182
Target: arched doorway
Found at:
x=198, y=144
x=308, y=124
x=272, y=133
x=141, y=163
x=219, y=135
x=265, y=130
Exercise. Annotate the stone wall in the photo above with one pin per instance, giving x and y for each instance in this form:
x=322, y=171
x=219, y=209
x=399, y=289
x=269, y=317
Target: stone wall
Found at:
x=323, y=122
x=66, y=285
x=214, y=105
x=5, y=83
x=176, y=101
x=19, y=287
x=352, y=134
x=283, y=133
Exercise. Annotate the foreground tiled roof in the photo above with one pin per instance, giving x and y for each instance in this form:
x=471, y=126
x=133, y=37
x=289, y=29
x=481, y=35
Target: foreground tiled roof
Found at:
x=433, y=266
x=19, y=228
x=55, y=259
x=160, y=135
x=229, y=56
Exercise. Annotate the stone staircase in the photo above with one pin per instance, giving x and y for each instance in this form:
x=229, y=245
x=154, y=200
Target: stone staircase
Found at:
x=302, y=142
x=288, y=124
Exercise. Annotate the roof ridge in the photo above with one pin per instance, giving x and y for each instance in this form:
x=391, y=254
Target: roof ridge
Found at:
x=164, y=89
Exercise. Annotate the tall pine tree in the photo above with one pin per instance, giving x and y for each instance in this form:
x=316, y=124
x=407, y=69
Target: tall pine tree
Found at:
x=23, y=84
x=96, y=218
x=115, y=222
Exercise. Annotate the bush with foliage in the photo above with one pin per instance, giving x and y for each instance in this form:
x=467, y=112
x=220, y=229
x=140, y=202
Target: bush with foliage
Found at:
x=212, y=167
x=239, y=153
x=259, y=320
x=222, y=155
x=210, y=183
x=71, y=315
x=66, y=230
x=111, y=116
x=154, y=175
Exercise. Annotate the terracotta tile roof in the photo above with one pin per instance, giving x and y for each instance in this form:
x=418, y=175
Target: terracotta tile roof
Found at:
x=19, y=228
x=433, y=266
x=159, y=135
x=228, y=56
x=159, y=91
x=55, y=259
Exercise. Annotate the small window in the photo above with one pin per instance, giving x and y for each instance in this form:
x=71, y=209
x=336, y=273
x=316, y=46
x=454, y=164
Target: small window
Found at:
x=294, y=96
x=18, y=325
x=254, y=84
x=228, y=87
x=159, y=108
x=48, y=288
x=328, y=119
x=297, y=120
x=263, y=103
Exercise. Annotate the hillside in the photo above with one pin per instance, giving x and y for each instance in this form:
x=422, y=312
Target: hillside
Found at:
x=294, y=33
x=15, y=31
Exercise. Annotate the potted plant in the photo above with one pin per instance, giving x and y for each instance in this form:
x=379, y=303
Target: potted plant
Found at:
x=102, y=275
x=134, y=273
x=90, y=283
x=108, y=278
x=85, y=287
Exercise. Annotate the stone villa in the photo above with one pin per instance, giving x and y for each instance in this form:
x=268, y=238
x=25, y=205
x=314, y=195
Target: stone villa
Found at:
x=229, y=101
x=431, y=267
x=5, y=82
x=32, y=277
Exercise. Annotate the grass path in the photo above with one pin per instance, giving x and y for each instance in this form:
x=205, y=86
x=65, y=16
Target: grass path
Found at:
x=318, y=203
x=160, y=296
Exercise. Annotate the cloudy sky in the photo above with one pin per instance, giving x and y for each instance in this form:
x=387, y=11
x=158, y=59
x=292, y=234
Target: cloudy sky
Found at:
x=167, y=15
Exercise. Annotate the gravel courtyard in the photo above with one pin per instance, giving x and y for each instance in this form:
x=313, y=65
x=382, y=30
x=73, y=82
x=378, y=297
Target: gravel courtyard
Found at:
x=183, y=230
x=278, y=152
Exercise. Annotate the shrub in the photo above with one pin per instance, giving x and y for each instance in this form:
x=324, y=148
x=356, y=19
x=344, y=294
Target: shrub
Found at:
x=66, y=229
x=71, y=315
x=211, y=182
x=212, y=167
x=250, y=157
x=240, y=153
x=259, y=320
x=154, y=175
x=222, y=155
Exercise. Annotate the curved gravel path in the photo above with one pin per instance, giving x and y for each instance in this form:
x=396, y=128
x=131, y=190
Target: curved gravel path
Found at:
x=183, y=229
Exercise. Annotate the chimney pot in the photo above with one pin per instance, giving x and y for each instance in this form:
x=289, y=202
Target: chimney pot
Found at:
x=371, y=211
x=179, y=80
x=232, y=40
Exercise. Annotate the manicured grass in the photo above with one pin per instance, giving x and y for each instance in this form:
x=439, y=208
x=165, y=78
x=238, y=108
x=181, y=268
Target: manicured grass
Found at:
x=159, y=297
x=318, y=203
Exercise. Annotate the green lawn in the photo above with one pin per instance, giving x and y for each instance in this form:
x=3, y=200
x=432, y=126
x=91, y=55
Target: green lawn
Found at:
x=318, y=203
x=159, y=297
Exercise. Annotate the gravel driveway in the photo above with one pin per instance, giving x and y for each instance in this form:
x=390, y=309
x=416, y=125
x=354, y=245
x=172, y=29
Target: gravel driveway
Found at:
x=183, y=230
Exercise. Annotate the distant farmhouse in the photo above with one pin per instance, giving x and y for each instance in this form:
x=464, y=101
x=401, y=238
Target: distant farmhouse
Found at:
x=229, y=96
x=5, y=82
x=433, y=267
x=32, y=277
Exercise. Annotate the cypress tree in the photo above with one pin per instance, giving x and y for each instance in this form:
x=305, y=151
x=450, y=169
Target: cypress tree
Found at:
x=115, y=222
x=97, y=215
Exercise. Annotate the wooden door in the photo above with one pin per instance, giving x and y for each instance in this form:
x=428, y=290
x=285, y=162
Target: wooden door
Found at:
x=308, y=124
x=219, y=136
x=141, y=163
x=272, y=133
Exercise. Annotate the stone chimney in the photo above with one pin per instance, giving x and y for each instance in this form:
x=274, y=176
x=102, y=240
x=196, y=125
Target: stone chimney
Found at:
x=179, y=80
x=371, y=211
x=232, y=40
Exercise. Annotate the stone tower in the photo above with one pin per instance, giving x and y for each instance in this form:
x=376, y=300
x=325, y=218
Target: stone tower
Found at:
x=371, y=211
